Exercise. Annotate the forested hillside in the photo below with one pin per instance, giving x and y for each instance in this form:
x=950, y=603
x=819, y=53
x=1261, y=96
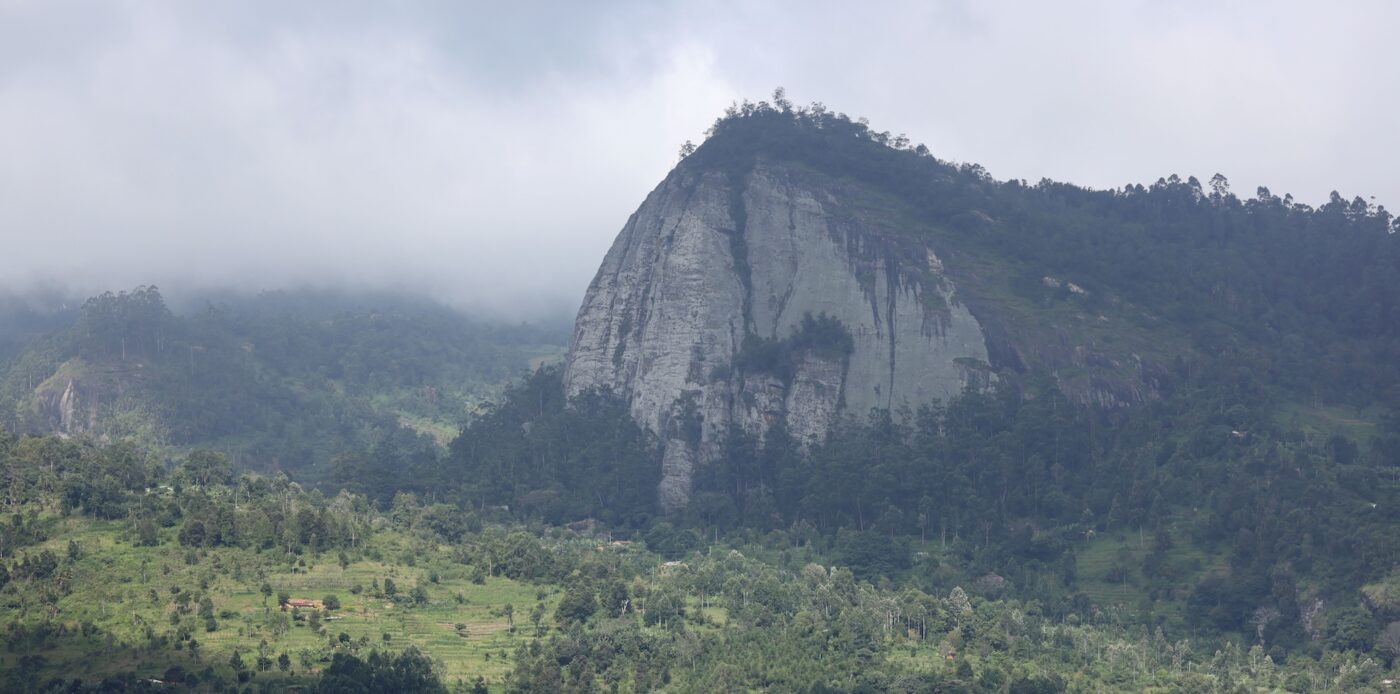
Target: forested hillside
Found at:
x=280, y=381
x=118, y=573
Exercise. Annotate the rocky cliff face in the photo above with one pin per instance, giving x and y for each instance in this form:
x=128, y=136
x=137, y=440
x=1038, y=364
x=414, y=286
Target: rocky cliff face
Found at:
x=89, y=399
x=717, y=265
x=68, y=402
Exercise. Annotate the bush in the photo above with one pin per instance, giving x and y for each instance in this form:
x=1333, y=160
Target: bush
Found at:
x=577, y=605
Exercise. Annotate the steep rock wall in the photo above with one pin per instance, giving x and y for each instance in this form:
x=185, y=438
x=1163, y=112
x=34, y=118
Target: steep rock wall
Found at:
x=713, y=256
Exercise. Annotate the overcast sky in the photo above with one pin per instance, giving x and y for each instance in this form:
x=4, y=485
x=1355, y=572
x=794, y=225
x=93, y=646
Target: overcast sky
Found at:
x=490, y=152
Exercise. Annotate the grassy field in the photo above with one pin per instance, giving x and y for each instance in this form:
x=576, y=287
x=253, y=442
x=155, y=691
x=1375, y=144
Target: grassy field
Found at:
x=1098, y=558
x=1322, y=421
x=121, y=589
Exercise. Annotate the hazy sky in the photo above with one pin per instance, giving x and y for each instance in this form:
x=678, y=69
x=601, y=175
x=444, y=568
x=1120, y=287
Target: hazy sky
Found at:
x=490, y=152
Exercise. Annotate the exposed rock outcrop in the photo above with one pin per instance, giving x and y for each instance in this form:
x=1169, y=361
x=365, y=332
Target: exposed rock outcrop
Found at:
x=715, y=262
x=67, y=403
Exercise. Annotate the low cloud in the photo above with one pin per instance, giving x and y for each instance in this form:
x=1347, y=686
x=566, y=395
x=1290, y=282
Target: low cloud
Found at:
x=489, y=155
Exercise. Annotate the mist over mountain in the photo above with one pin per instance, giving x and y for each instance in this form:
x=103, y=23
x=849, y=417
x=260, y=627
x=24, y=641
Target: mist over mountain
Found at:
x=259, y=146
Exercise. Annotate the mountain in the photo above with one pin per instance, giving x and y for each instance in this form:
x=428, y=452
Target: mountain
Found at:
x=931, y=432
x=799, y=267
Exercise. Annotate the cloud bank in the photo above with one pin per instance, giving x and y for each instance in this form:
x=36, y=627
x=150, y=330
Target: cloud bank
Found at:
x=489, y=154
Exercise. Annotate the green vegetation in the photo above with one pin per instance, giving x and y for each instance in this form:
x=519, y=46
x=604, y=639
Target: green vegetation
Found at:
x=550, y=461
x=822, y=336
x=1064, y=549
x=285, y=588
x=161, y=560
x=1197, y=519
x=112, y=583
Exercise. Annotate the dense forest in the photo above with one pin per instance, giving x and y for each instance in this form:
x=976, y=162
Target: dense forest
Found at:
x=1225, y=512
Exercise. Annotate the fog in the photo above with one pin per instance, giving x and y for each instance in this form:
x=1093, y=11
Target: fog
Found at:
x=488, y=154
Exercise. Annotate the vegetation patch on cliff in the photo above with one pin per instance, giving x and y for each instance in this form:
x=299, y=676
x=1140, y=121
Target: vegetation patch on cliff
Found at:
x=821, y=335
